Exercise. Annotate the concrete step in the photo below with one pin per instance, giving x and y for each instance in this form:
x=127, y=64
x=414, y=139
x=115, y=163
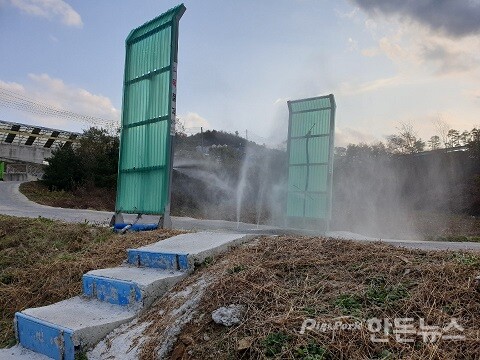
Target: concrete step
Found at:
x=129, y=286
x=60, y=330
x=69, y=327
x=181, y=252
x=157, y=260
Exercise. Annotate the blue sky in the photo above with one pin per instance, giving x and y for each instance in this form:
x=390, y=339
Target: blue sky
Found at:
x=386, y=62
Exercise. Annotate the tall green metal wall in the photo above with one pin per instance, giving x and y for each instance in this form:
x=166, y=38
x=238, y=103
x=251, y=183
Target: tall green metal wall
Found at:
x=148, y=116
x=310, y=162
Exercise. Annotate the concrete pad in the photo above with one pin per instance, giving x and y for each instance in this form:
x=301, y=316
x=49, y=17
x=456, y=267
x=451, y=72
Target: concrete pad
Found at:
x=148, y=283
x=197, y=246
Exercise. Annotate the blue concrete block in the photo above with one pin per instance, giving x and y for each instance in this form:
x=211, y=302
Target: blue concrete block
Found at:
x=45, y=338
x=110, y=290
x=164, y=261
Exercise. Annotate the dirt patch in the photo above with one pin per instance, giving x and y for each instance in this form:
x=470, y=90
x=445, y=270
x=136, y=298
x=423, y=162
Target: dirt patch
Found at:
x=92, y=198
x=42, y=261
x=284, y=281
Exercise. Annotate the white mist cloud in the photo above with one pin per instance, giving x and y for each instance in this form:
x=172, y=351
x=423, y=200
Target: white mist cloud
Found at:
x=50, y=9
x=54, y=92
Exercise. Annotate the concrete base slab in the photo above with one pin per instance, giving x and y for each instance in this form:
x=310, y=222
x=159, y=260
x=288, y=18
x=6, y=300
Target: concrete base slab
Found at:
x=129, y=286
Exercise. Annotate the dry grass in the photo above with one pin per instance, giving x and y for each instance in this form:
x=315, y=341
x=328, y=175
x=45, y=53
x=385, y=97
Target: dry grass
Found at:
x=446, y=227
x=42, y=261
x=283, y=281
x=92, y=198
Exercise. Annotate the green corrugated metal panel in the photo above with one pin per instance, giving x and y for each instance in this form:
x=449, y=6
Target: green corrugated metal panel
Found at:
x=149, y=97
x=2, y=169
x=310, y=162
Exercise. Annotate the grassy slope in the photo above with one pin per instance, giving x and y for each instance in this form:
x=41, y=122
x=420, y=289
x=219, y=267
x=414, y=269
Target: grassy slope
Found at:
x=42, y=261
x=283, y=281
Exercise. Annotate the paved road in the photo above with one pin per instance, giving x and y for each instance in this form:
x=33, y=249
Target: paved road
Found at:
x=13, y=203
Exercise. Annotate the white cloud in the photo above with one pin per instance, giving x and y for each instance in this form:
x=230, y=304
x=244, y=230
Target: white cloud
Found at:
x=352, y=45
x=371, y=25
x=50, y=9
x=53, y=92
x=12, y=86
x=393, y=50
x=370, y=52
x=73, y=98
x=453, y=18
x=474, y=94
x=346, y=135
x=194, y=120
x=416, y=49
x=350, y=88
x=431, y=53
x=349, y=15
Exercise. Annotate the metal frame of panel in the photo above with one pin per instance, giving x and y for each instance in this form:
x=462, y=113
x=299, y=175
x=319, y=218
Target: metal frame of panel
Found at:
x=311, y=128
x=148, y=118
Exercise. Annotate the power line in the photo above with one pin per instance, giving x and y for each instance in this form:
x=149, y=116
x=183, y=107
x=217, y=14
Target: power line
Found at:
x=13, y=100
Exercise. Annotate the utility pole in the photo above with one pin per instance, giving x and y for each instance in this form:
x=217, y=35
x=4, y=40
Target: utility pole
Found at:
x=246, y=134
x=201, y=136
